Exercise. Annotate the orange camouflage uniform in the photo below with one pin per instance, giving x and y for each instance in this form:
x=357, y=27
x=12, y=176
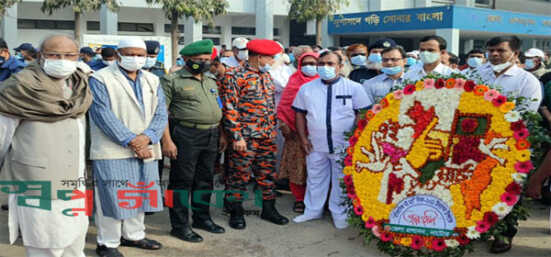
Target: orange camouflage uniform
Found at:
x=249, y=114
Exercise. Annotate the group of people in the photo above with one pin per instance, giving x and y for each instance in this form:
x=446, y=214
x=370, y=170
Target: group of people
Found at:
x=268, y=112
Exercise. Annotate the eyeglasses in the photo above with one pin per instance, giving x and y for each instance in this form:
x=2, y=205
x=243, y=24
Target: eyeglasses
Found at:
x=392, y=59
x=70, y=56
x=356, y=54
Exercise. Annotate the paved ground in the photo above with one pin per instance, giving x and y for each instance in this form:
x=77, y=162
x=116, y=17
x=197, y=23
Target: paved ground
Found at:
x=261, y=239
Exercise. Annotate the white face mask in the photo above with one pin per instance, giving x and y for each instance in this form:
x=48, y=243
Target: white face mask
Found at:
x=108, y=63
x=502, y=66
x=429, y=57
x=243, y=55
x=150, y=62
x=132, y=63
x=60, y=69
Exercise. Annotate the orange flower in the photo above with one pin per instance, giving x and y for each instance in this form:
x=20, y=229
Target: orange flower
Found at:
x=523, y=144
x=450, y=83
x=384, y=102
x=369, y=115
x=480, y=89
x=506, y=107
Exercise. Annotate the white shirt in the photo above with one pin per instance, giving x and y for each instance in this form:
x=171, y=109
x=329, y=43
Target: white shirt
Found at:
x=515, y=81
x=280, y=77
x=330, y=111
x=379, y=86
x=417, y=72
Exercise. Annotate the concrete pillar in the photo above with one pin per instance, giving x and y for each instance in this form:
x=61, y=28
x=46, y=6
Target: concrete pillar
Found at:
x=469, y=45
x=284, y=31
x=193, y=31
x=264, y=19
x=375, y=5
x=108, y=21
x=9, y=27
x=310, y=28
x=159, y=24
x=225, y=30
x=452, y=38
x=468, y=3
x=326, y=39
x=423, y=3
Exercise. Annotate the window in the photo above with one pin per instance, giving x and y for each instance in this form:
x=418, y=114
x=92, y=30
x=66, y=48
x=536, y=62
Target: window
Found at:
x=92, y=25
x=135, y=27
x=276, y=32
x=215, y=40
x=168, y=28
x=243, y=31
x=212, y=30
x=484, y=2
x=181, y=41
x=45, y=24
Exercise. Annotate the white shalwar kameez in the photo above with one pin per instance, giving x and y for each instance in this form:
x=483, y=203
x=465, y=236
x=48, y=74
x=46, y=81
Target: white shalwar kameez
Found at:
x=330, y=112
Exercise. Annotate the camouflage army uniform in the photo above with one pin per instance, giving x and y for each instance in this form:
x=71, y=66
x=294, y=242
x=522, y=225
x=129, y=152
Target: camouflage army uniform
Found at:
x=249, y=113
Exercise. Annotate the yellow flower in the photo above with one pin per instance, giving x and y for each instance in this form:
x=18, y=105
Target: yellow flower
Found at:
x=419, y=85
x=506, y=107
x=390, y=98
x=405, y=241
x=523, y=155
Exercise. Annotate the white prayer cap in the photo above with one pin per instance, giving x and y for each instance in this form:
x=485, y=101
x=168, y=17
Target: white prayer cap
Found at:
x=534, y=52
x=240, y=43
x=132, y=42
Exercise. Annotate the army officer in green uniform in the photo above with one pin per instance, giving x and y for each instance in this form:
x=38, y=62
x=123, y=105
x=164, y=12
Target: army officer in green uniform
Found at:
x=192, y=143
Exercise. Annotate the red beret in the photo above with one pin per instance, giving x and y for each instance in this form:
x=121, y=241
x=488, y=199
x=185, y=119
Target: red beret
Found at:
x=264, y=47
x=214, y=54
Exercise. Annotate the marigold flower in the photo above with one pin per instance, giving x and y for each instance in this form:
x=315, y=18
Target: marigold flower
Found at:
x=480, y=90
x=506, y=107
x=419, y=85
x=450, y=83
x=522, y=144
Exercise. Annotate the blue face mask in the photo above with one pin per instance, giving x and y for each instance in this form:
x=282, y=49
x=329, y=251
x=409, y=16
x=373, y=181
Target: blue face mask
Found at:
x=292, y=57
x=529, y=64
x=180, y=62
x=309, y=70
x=277, y=56
x=19, y=56
x=267, y=67
x=327, y=72
x=391, y=70
x=411, y=61
x=358, y=60
x=474, y=62
x=375, y=58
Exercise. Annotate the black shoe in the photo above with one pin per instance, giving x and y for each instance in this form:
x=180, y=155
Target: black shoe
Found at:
x=147, y=244
x=501, y=244
x=209, y=226
x=187, y=235
x=237, y=220
x=5, y=207
x=104, y=251
x=270, y=213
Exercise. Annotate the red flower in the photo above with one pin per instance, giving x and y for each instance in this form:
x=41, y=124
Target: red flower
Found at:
x=353, y=140
x=409, y=89
x=491, y=218
x=514, y=188
x=417, y=242
x=469, y=125
x=348, y=160
x=518, y=125
x=384, y=102
x=358, y=210
x=440, y=83
x=438, y=244
x=463, y=240
x=482, y=226
x=509, y=199
x=521, y=134
x=524, y=167
x=362, y=123
x=469, y=86
x=370, y=223
x=499, y=100
x=386, y=236
x=347, y=180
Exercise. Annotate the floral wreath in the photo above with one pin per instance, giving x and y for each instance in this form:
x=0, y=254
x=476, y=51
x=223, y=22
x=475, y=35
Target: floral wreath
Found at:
x=435, y=165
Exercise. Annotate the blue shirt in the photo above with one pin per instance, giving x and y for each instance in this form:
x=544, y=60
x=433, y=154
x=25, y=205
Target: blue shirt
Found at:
x=11, y=66
x=97, y=65
x=105, y=119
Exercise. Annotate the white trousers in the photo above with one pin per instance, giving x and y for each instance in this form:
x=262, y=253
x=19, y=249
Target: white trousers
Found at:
x=76, y=249
x=110, y=230
x=324, y=172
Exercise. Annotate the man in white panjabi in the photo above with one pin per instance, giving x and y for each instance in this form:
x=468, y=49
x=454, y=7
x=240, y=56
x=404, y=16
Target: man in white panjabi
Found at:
x=327, y=108
x=431, y=49
x=41, y=107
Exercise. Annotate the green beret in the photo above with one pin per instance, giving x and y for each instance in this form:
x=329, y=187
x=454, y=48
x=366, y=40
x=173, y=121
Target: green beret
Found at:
x=198, y=47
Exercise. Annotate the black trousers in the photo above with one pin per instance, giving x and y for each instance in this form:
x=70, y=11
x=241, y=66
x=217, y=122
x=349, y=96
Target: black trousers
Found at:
x=191, y=174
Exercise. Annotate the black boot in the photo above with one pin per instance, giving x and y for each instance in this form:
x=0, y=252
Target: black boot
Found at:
x=270, y=213
x=237, y=220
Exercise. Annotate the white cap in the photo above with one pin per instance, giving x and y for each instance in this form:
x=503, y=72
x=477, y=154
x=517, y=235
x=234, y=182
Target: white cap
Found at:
x=414, y=53
x=132, y=42
x=534, y=52
x=240, y=43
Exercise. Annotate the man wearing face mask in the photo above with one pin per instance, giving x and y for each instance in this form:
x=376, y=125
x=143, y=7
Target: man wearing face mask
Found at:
x=8, y=64
x=475, y=59
x=43, y=107
x=534, y=62
x=24, y=52
x=250, y=122
x=151, y=63
x=394, y=59
x=373, y=62
x=325, y=110
x=193, y=140
x=240, y=53
x=127, y=119
x=502, y=51
x=430, y=50
x=412, y=58
x=108, y=57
